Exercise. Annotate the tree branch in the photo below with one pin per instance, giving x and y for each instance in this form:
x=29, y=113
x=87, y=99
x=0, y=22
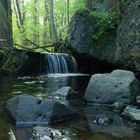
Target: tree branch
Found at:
x=40, y=47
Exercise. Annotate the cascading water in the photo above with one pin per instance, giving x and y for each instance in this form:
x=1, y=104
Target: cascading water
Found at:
x=59, y=63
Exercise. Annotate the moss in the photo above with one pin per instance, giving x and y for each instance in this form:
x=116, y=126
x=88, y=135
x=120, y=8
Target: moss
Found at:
x=1, y=53
x=14, y=60
x=137, y=57
x=104, y=20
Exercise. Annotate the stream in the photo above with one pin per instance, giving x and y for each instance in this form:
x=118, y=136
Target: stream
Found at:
x=81, y=127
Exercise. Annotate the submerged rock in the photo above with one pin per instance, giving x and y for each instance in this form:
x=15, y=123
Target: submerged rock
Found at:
x=138, y=100
x=118, y=86
x=41, y=133
x=101, y=120
x=132, y=112
x=64, y=93
x=28, y=110
x=104, y=120
x=47, y=133
x=118, y=107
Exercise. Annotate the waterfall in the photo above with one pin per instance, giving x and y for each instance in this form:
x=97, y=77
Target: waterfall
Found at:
x=59, y=63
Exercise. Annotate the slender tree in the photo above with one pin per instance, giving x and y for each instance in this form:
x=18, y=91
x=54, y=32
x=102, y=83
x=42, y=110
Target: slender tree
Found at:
x=52, y=23
x=45, y=22
x=68, y=10
x=5, y=24
x=42, y=21
x=35, y=36
x=20, y=18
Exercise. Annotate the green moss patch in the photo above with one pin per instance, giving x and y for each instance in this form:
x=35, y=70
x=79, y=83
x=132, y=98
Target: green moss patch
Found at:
x=13, y=61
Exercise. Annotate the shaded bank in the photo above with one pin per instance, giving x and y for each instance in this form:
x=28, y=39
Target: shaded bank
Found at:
x=23, y=62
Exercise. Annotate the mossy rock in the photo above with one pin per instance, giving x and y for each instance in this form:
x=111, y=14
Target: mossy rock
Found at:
x=3, y=51
x=1, y=54
x=21, y=62
x=13, y=60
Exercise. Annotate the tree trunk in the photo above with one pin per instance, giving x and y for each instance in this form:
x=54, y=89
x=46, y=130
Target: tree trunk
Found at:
x=68, y=10
x=45, y=35
x=5, y=24
x=52, y=23
x=35, y=34
x=20, y=17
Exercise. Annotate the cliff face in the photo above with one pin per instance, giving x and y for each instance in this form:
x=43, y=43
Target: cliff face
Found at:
x=5, y=23
x=128, y=36
x=119, y=40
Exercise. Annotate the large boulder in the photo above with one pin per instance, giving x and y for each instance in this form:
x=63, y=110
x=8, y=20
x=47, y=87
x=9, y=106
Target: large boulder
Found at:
x=28, y=110
x=118, y=43
x=118, y=86
x=80, y=31
x=88, y=51
x=103, y=5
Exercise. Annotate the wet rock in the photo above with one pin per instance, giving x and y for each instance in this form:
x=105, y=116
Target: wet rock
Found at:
x=104, y=120
x=138, y=100
x=118, y=86
x=118, y=107
x=28, y=111
x=101, y=120
x=41, y=133
x=101, y=116
x=22, y=62
x=47, y=133
x=64, y=93
x=132, y=112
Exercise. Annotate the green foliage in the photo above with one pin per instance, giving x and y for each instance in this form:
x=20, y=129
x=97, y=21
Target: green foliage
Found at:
x=105, y=21
x=137, y=57
x=62, y=12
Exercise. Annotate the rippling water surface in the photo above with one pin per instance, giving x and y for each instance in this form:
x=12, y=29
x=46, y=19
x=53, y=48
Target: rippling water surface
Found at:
x=82, y=127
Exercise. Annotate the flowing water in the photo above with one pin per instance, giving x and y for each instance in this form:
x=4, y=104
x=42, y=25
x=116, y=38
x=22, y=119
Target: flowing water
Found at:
x=59, y=63
x=81, y=127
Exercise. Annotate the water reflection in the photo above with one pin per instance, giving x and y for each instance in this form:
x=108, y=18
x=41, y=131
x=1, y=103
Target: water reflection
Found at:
x=83, y=125
x=39, y=86
x=43, y=86
x=4, y=126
